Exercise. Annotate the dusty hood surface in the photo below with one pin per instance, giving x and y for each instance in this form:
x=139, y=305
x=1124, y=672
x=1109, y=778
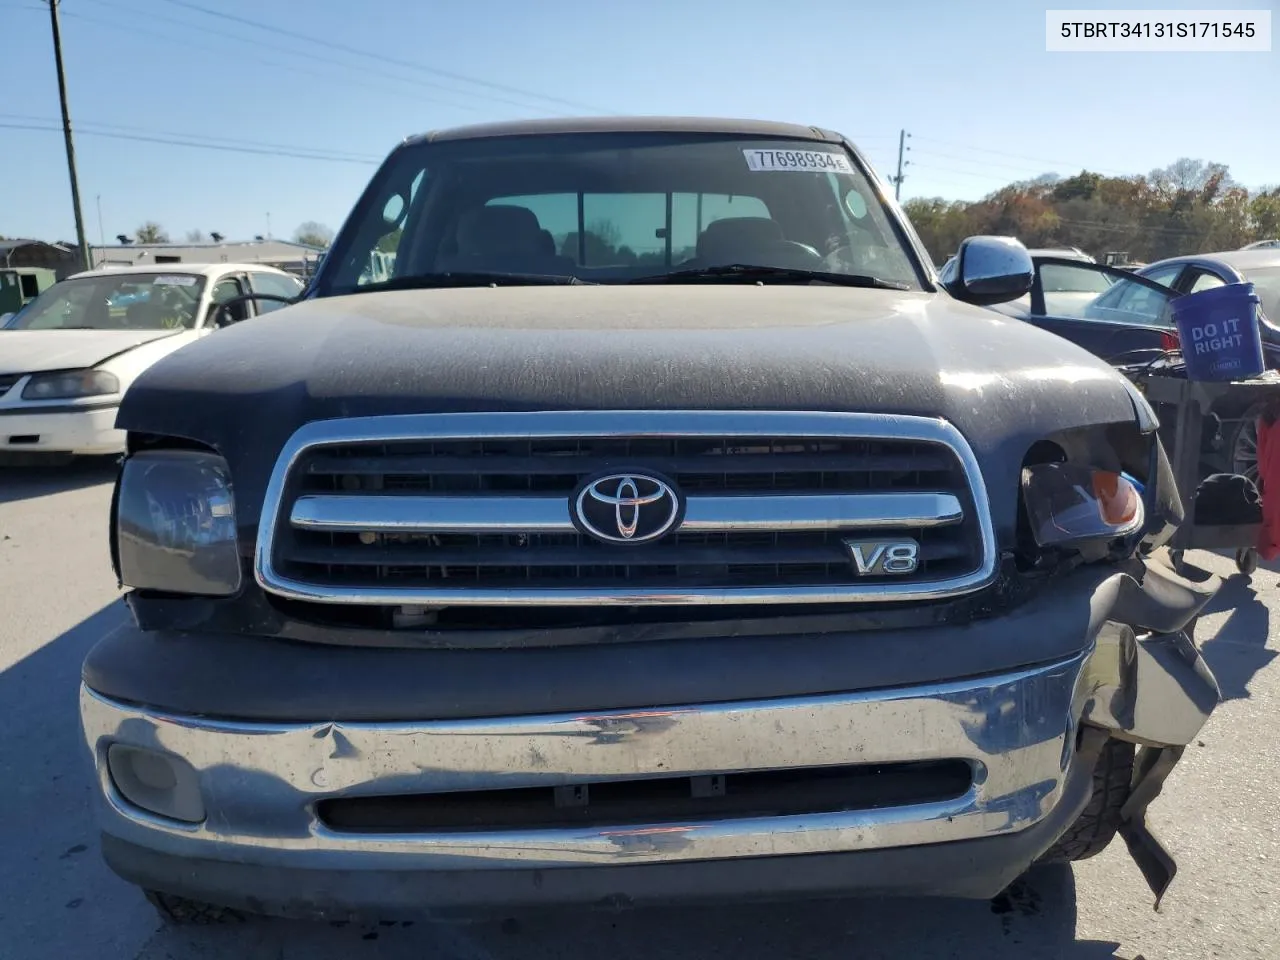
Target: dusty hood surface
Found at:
x=33, y=351
x=1003, y=383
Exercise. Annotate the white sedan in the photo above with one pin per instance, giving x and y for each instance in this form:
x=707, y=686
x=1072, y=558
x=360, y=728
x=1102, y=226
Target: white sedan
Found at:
x=67, y=357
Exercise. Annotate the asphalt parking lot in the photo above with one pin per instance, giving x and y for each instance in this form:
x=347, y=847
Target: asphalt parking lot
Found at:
x=1218, y=814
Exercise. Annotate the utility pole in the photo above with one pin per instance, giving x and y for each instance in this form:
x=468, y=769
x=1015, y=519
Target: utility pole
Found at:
x=66, y=131
x=102, y=236
x=902, y=162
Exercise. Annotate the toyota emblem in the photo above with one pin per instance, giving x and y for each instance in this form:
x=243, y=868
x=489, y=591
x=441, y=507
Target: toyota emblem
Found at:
x=626, y=508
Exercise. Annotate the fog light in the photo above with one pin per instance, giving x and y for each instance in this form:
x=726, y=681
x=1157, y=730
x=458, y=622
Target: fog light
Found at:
x=159, y=783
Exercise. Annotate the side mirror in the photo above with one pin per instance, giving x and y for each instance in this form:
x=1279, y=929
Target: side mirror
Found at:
x=991, y=270
x=220, y=314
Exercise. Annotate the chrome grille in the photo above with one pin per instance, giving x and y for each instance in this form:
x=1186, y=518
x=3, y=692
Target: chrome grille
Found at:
x=475, y=509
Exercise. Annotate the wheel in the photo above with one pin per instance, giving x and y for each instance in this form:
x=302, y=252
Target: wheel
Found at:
x=184, y=912
x=1243, y=448
x=1098, y=822
x=1247, y=560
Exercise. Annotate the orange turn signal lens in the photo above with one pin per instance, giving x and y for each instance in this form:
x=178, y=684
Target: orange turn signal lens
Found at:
x=1118, y=499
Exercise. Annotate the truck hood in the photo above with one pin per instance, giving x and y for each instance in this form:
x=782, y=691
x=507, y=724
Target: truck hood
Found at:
x=1001, y=382
x=34, y=351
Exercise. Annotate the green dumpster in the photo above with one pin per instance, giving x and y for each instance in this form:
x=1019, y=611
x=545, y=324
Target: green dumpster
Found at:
x=21, y=285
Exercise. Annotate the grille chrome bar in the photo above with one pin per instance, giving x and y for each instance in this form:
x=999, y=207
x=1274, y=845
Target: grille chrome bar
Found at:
x=652, y=555
x=476, y=515
x=444, y=465
x=376, y=437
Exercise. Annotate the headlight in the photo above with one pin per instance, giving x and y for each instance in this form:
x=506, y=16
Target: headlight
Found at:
x=175, y=524
x=1067, y=503
x=73, y=383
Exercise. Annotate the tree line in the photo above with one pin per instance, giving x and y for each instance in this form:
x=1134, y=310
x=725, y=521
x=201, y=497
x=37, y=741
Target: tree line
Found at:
x=1188, y=207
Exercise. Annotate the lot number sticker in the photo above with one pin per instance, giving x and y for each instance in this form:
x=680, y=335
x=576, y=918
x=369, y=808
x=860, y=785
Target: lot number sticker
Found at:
x=820, y=161
x=175, y=281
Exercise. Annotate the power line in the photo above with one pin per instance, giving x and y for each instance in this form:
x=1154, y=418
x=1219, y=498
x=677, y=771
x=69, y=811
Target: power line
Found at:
x=182, y=138
x=1131, y=227
x=175, y=142
x=1015, y=156
x=1018, y=168
x=231, y=141
x=963, y=173
x=320, y=41
x=275, y=47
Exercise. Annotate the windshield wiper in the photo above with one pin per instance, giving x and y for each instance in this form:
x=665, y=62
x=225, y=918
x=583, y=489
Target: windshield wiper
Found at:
x=753, y=273
x=428, y=281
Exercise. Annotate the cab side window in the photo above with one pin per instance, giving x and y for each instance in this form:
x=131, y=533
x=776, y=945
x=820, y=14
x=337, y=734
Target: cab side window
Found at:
x=225, y=290
x=1166, y=276
x=1144, y=302
x=275, y=284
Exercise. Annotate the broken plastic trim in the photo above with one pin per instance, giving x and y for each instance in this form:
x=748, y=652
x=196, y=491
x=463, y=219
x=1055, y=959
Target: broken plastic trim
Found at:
x=1150, y=770
x=1154, y=690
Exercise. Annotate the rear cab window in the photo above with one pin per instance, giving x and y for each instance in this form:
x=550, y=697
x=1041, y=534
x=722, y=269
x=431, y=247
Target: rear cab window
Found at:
x=624, y=229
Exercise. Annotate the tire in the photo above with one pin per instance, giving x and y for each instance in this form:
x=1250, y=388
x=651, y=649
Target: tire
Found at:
x=1247, y=560
x=1098, y=822
x=181, y=911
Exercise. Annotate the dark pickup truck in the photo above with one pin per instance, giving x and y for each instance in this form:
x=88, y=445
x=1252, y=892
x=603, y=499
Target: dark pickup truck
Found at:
x=626, y=514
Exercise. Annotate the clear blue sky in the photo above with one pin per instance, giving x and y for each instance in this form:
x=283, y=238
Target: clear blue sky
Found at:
x=970, y=80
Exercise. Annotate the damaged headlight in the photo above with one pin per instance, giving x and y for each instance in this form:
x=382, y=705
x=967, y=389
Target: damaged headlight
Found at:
x=175, y=524
x=1067, y=503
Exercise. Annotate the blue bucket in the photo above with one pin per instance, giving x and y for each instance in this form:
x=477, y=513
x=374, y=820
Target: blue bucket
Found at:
x=1219, y=331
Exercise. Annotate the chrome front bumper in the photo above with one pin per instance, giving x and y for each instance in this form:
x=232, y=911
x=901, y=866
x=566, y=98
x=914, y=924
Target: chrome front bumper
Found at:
x=1018, y=731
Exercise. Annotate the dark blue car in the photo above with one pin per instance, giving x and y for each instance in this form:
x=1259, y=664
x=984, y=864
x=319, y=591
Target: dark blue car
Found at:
x=1121, y=316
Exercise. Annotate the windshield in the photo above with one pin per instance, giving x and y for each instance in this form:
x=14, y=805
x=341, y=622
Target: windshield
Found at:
x=614, y=208
x=125, y=301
